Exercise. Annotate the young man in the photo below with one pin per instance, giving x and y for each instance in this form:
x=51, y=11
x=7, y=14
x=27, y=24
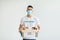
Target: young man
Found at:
x=29, y=25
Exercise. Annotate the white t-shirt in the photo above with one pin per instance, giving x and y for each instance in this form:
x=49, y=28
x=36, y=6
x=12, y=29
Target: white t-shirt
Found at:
x=29, y=22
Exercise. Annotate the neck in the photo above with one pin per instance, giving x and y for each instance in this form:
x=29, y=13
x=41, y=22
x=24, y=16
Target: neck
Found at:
x=29, y=16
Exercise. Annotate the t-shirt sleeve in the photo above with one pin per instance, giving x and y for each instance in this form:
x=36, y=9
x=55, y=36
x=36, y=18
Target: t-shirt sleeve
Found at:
x=38, y=21
x=21, y=21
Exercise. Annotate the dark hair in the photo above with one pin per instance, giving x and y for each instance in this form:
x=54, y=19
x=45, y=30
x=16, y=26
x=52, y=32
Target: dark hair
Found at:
x=30, y=6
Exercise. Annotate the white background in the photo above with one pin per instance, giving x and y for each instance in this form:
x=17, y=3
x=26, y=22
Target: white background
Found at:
x=48, y=11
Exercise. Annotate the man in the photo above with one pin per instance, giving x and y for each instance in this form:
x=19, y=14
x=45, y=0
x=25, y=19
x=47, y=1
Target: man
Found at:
x=29, y=25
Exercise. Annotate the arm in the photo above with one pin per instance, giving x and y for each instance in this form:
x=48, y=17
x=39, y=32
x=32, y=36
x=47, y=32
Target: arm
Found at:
x=21, y=27
x=38, y=24
x=38, y=27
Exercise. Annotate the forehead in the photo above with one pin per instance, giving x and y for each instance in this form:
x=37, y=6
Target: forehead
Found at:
x=29, y=8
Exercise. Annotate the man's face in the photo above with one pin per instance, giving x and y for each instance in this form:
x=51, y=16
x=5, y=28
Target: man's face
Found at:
x=29, y=11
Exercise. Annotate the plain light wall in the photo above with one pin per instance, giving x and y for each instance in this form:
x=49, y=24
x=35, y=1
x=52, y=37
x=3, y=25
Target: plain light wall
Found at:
x=48, y=11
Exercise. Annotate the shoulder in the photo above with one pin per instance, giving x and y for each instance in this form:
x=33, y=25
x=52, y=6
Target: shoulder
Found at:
x=23, y=17
x=36, y=18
